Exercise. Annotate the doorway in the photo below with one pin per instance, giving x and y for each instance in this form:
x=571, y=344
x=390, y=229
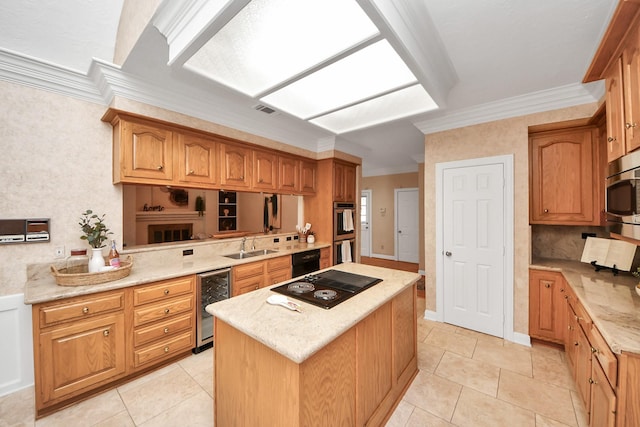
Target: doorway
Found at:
x=474, y=244
x=406, y=226
x=365, y=223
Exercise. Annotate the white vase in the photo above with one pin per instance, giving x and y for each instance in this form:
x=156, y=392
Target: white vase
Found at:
x=97, y=260
x=311, y=238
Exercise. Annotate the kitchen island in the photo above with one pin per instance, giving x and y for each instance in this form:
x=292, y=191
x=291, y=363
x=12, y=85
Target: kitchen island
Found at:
x=348, y=365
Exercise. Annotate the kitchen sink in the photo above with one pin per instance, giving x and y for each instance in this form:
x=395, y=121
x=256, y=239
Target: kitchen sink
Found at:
x=242, y=255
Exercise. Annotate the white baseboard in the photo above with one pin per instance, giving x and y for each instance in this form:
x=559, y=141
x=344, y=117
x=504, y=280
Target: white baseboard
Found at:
x=382, y=256
x=16, y=357
x=522, y=339
x=430, y=315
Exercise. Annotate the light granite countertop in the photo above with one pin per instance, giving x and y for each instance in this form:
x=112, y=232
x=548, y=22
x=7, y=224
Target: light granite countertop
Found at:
x=611, y=301
x=298, y=336
x=153, y=266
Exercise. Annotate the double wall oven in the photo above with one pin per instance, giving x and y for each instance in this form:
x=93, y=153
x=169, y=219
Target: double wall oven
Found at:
x=344, y=233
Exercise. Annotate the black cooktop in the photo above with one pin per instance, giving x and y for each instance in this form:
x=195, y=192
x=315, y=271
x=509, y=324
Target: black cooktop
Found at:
x=328, y=288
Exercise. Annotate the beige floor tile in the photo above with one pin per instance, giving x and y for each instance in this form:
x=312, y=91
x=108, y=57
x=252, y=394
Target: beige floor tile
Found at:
x=159, y=394
x=471, y=373
x=552, y=371
x=578, y=407
x=18, y=408
x=196, y=363
x=547, y=351
x=515, y=358
x=421, y=418
x=123, y=419
x=542, y=421
x=449, y=340
x=434, y=394
x=479, y=410
x=400, y=415
x=480, y=336
x=428, y=357
x=87, y=412
x=204, y=378
x=148, y=377
x=196, y=411
x=424, y=329
x=546, y=399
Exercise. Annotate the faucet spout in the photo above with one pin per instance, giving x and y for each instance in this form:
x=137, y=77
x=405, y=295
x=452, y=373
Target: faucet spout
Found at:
x=244, y=239
x=253, y=244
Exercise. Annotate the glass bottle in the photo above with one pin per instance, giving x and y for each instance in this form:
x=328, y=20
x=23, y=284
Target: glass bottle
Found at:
x=114, y=256
x=77, y=261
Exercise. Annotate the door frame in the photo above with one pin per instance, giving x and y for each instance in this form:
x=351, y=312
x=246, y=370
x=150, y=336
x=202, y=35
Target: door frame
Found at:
x=369, y=194
x=395, y=220
x=509, y=282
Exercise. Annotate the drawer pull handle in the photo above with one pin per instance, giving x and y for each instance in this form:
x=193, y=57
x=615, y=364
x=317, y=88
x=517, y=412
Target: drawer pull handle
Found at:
x=546, y=285
x=105, y=333
x=85, y=310
x=191, y=172
x=166, y=311
x=611, y=139
x=166, y=330
x=160, y=167
x=546, y=211
x=166, y=291
x=166, y=349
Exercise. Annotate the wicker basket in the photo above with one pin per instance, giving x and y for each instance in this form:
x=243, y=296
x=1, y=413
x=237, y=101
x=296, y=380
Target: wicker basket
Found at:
x=79, y=276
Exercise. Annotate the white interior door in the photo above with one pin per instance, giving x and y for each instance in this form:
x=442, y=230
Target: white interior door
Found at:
x=407, y=228
x=473, y=220
x=365, y=223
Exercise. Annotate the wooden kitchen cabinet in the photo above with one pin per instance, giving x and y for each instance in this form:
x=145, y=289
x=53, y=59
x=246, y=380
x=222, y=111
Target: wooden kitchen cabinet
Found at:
x=614, y=98
x=628, y=392
x=344, y=182
x=308, y=177
x=631, y=89
x=603, y=399
x=265, y=170
x=277, y=270
x=547, y=305
x=289, y=174
x=255, y=275
x=236, y=166
x=325, y=258
x=563, y=174
x=79, y=344
x=197, y=160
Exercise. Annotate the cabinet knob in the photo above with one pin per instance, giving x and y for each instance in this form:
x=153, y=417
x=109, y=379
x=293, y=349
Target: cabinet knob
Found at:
x=629, y=125
x=85, y=310
x=166, y=349
x=166, y=291
x=257, y=287
x=166, y=330
x=547, y=285
x=160, y=167
x=166, y=311
x=191, y=172
x=546, y=211
x=594, y=350
x=611, y=139
x=260, y=180
x=105, y=332
x=576, y=343
x=566, y=297
x=592, y=381
x=561, y=289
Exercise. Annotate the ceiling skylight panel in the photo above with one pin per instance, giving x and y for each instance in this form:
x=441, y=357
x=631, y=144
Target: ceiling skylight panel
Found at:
x=369, y=72
x=393, y=106
x=270, y=41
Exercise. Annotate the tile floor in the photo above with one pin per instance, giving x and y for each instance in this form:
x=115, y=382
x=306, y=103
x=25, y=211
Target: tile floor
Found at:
x=465, y=379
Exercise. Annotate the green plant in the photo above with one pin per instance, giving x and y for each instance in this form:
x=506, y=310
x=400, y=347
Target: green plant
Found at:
x=636, y=273
x=94, y=229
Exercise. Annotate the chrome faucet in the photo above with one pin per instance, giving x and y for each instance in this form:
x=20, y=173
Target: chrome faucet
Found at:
x=244, y=239
x=253, y=244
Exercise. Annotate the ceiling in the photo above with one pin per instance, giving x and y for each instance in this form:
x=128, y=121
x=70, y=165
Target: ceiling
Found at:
x=478, y=60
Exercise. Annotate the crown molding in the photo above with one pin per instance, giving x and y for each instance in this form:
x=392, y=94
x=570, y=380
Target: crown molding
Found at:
x=390, y=171
x=535, y=102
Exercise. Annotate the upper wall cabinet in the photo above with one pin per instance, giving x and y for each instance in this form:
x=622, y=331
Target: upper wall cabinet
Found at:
x=308, y=177
x=265, y=170
x=344, y=182
x=236, y=167
x=618, y=62
x=563, y=167
x=289, y=174
x=197, y=160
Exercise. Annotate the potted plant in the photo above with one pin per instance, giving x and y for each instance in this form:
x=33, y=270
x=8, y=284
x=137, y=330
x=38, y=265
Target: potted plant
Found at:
x=95, y=232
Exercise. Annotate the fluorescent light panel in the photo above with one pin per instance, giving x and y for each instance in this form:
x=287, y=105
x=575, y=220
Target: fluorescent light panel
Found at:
x=372, y=71
x=270, y=41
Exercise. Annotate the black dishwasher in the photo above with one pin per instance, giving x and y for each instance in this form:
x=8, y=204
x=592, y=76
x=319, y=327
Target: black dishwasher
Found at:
x=305, y=262
x=212, y=286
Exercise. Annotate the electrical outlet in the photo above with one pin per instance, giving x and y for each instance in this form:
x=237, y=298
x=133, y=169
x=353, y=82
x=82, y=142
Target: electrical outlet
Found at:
x=187, y=252
x=58, y=252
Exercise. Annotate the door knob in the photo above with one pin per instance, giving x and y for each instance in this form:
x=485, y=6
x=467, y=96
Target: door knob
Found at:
x=447, y=253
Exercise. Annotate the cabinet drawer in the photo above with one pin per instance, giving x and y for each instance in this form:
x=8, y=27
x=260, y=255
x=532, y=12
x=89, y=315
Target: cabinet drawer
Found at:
x=277, y=277
x=248, y=270
x=162, y=310
x=159, y=330
x=605, y=356
x=80, y=308
x=581, y=315
x=247, y=285
x=164, y=349
x=163, y=290
x=280, y=263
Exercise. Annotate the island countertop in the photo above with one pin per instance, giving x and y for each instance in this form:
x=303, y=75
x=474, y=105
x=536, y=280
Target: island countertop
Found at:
x=610, y=301
x=298, y=336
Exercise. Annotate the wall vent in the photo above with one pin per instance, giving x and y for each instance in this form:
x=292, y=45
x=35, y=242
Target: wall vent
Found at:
x=265, y=109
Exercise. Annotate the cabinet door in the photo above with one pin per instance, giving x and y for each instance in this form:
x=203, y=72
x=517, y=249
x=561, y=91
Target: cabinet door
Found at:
x=289, y=176
x=81, y=355
x=571, y=339
x=197, y=159
x=631, y=85
x=350, y=183
x=615, y=111
x=308, y=177
x=236, y=166
x=146, y=152
x=325, y=258
x=547, y=306
x=338, y=182
x=265, y=170
x=583, y=367
x=562, y=180
x=603, y=399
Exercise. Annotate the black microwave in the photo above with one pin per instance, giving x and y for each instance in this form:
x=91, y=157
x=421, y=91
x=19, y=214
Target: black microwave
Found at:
x=623, y=196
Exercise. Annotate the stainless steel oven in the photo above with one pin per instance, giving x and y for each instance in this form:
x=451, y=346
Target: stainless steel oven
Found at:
x=343, y=221
x=212, y=286
x=623, y=196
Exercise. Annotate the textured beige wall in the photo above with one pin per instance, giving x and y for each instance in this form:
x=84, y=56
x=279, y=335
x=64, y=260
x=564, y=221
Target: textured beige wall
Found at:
x=382, y=197
x=502, y=137
x=55, y=163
